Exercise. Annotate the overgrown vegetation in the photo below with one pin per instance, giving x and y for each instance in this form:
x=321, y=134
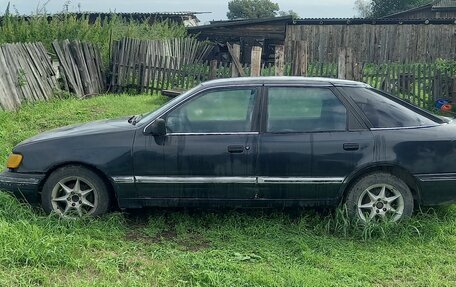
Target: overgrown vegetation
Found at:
x=166, y=247
x=42, y=28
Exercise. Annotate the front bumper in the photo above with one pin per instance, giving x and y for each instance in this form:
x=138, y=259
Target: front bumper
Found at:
x=22, y=185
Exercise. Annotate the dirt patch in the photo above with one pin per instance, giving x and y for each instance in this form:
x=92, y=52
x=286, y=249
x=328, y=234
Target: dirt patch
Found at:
x=194, y=242
x=139, y=236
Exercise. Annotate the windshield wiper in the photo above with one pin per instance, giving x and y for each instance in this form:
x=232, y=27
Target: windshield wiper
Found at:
x=135, y=119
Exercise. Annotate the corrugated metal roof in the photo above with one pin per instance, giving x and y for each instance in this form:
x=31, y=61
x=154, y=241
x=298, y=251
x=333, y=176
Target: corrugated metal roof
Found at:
x=444, y=4
x=182, y=13
x=230, y=23
x=327, y=21
x=381, y=21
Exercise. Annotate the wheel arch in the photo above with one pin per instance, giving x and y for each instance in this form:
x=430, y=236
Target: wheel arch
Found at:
x=393, y=169
x=96, y=170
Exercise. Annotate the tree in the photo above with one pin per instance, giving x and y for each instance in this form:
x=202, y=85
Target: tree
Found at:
x=363, y=8
x=251, y=9
x=291, y=13
x=381, y=8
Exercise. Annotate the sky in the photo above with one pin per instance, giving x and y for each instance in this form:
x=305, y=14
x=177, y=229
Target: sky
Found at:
x=304, y=8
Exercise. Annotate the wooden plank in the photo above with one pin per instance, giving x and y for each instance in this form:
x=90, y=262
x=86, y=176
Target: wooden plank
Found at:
x=236, y=53
x=342, y=74
x=255, y=68
x=9, y=99
x=303, y=58
x=279, y=61
x=236, y=60
x=213, y=69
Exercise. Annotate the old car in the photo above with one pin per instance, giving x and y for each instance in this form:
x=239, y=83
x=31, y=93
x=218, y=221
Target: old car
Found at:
x=247, y=142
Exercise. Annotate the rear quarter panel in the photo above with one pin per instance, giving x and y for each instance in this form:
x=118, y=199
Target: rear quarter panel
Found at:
x=424, y=152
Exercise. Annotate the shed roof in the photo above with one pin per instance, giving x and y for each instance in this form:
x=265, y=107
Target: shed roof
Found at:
x=438, y=5
x=444, y=5
x=243, y=22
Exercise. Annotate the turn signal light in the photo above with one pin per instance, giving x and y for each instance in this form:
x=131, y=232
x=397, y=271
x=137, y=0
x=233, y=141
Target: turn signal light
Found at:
x=14, y=161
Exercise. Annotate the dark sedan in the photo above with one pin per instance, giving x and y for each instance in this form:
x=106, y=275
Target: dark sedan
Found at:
x=247, y=142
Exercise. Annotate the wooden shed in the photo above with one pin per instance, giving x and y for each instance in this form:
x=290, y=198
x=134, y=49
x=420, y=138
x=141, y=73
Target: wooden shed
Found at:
x=434, y=10
x=265, y=32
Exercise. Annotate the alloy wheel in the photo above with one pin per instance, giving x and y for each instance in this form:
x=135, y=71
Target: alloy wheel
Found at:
x=380, y=201
x=74, y=197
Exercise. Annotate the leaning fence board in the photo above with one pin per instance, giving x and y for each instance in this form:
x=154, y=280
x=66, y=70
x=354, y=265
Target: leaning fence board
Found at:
x=26, y=74
x=82, y=67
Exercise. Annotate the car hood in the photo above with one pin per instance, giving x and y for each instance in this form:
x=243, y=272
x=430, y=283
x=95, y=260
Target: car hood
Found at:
x=91, y=128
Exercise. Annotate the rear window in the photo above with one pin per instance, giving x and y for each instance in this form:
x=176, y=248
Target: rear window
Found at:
x=383, y=112
x=297, y=109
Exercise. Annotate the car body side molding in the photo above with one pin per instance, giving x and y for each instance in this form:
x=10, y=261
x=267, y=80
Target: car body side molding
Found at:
x=236, y=180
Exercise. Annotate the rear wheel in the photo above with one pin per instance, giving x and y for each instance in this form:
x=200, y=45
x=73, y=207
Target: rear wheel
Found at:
x=380, y=196
x=75, y=191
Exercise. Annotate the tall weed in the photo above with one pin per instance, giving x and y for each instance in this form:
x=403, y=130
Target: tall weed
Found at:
x=46, y=29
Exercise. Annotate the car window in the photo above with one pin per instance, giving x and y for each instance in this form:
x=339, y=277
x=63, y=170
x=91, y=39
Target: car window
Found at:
x=383, y=112
x=295, y=109
x=214, y=112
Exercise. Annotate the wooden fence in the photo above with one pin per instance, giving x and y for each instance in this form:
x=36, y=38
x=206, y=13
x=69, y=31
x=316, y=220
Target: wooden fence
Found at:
x=421, y=84
x=376, y=44
x=146, y=64
x=26, y=74
x=81, y=67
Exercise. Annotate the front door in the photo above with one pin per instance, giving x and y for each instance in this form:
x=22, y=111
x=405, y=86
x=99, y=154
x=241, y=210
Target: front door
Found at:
x=209, y=151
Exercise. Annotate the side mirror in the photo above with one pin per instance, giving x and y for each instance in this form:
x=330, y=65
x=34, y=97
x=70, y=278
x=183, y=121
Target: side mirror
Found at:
x=157, y=128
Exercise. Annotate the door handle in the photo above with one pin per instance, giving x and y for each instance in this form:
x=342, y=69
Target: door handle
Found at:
x=235, y=148
x=351, y=146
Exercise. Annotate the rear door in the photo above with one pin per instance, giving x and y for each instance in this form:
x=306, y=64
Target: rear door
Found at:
x=306, y=146
x=285, y=147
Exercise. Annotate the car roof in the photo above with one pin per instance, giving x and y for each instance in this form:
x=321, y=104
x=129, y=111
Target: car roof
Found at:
x=283, y=81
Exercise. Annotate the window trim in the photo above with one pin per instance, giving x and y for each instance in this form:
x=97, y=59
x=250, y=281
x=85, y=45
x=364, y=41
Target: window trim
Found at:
x=265, y=110
x=360, y=112
x=200, y=93
x=410, y=106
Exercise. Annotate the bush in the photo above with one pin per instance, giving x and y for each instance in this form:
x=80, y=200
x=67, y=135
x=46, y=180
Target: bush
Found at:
x=42, y=28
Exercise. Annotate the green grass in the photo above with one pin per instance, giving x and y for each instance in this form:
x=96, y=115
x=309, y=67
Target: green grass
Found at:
x=165, y=247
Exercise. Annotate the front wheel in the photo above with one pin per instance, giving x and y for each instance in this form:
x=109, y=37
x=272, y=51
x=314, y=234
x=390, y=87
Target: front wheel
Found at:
x=74, y=191
x=380, y=196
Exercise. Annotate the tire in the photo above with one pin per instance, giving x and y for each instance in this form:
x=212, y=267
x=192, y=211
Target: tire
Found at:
x=379, y=195
x=75, y=191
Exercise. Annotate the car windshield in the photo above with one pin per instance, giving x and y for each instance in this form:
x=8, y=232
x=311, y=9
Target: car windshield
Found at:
x=151, y=115
x=385, y=111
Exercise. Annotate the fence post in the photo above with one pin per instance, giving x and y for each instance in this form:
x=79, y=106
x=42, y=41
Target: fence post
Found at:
x=303, y=61
x=348, y=67
x=256, y=61
x=236, y=61
x=236, y=53
x=279, y=60
x=213, y=69
x=453, y=92
x=341, y=70
x=300, y=58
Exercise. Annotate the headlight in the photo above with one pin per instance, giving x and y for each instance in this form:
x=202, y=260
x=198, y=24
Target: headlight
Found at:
x=14, y=161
